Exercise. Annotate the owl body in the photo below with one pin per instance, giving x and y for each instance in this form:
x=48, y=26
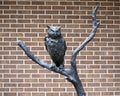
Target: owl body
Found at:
x=55, y=45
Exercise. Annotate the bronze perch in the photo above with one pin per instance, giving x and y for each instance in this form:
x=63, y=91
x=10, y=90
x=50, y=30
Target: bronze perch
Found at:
x=70, y=74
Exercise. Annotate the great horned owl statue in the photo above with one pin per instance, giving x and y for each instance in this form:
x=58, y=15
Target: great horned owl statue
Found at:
x=55, y=45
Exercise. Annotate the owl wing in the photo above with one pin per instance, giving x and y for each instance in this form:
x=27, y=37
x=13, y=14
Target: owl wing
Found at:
x=65, y=46
x=45, y=39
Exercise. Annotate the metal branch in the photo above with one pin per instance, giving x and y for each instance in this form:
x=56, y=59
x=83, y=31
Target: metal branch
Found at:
x=77, y=84
x=31, y=56
x=39, y=61
x=95, y=25
x=70, y=74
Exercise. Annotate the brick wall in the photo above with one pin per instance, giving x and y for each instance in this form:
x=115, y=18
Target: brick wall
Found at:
x=98, y=63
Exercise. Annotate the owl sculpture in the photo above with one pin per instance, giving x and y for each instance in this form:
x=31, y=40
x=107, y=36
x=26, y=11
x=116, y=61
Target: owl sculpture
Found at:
x=55, y=45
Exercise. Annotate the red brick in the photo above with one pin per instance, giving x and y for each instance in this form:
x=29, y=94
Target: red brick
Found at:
x=10, y=85
x=97, y=64
x=9, y=2
x=4, y=25
x=16, y=7
x=24, y=30
x=24, y=94
x=72, y=7
x=37, y=94
x=16, y=25
x=45, y=16
x=94, y=93
x=79, y=3
x=23, y=11
x=38, y=12
x=4, y=90
x=51, y=21
x=51, y=3
x=107, y=93
x=51, y=12
x=44, y=7
x=38, y=2
x=23, y=3
x=9, y=76
x=9, y=94
x=9, y=11
x=30, y=7
x=30, y=16
x=44, y=89
x=4, y=7
x=100, y=89
x=16, y=16
x=72, y=17
x=16, y=80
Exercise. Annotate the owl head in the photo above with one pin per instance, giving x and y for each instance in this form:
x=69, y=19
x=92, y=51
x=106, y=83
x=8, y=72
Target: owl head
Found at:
x=54, y=31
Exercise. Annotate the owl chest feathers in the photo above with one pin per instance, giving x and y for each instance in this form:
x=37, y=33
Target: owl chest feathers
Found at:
x=55, y=47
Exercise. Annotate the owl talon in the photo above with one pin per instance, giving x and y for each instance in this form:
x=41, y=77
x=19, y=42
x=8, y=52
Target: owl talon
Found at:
x=53, y=66
x=61, y=67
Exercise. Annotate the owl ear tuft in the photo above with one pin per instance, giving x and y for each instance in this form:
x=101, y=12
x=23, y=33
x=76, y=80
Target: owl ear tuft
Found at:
x=48, y=26
x=59, y=27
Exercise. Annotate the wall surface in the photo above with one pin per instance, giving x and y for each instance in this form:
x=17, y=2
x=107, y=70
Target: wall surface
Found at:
x=98, y=63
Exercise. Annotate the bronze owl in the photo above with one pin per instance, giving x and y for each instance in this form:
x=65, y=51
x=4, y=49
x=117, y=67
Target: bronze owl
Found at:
x=55, y=45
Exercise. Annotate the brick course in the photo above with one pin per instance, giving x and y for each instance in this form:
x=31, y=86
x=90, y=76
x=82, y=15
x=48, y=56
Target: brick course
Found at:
x=98, y=63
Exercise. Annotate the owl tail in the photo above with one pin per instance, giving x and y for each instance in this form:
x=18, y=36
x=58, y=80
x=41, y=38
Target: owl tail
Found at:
x=60, y=65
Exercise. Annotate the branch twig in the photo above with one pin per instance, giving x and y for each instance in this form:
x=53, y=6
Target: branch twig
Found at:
x=95, y=25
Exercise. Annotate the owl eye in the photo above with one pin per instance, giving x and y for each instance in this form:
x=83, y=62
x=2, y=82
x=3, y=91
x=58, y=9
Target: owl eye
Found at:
x=52, y=30
x=58, y=32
